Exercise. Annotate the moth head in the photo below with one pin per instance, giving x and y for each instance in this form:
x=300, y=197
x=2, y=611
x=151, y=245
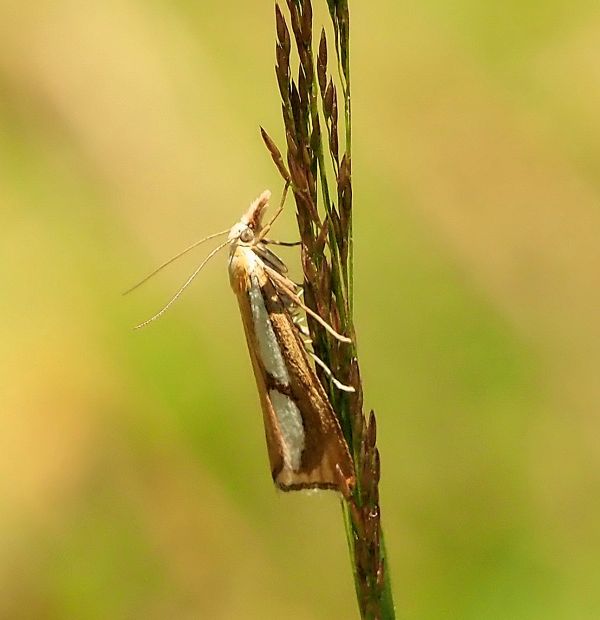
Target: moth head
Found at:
x=245, y=231
x=242, y=234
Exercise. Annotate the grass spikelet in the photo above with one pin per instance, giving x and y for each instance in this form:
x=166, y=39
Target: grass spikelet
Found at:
x=324, y=205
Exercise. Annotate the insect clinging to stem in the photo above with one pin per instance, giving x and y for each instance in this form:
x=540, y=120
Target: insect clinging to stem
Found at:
x=305, y=443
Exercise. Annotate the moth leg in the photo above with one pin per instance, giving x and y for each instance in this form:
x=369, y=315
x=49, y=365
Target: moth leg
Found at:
x=308, y=344
x=338, y=384
x=270, y=258
x=284, y=286
x=307, y=341
x=288, y=244
x=297, y=321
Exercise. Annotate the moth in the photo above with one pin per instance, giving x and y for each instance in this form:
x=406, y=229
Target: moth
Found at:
x=305, y=444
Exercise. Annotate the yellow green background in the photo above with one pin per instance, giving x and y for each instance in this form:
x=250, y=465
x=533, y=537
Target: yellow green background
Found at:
x=133, y=472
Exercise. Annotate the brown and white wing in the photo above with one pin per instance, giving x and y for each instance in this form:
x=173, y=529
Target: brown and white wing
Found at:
x=325, y=448
x=304, y=440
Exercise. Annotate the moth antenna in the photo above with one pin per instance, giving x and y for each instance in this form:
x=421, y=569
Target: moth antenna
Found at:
x=277, y=213
x=174, y=258
x=338, y=384
x=182, y=289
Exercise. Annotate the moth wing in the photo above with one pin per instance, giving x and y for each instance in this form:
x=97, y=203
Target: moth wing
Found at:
x=272, y=433
x=325, y=447
x=324, y=453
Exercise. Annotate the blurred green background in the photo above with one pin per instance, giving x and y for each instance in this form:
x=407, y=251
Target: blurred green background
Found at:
x=133, y=472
